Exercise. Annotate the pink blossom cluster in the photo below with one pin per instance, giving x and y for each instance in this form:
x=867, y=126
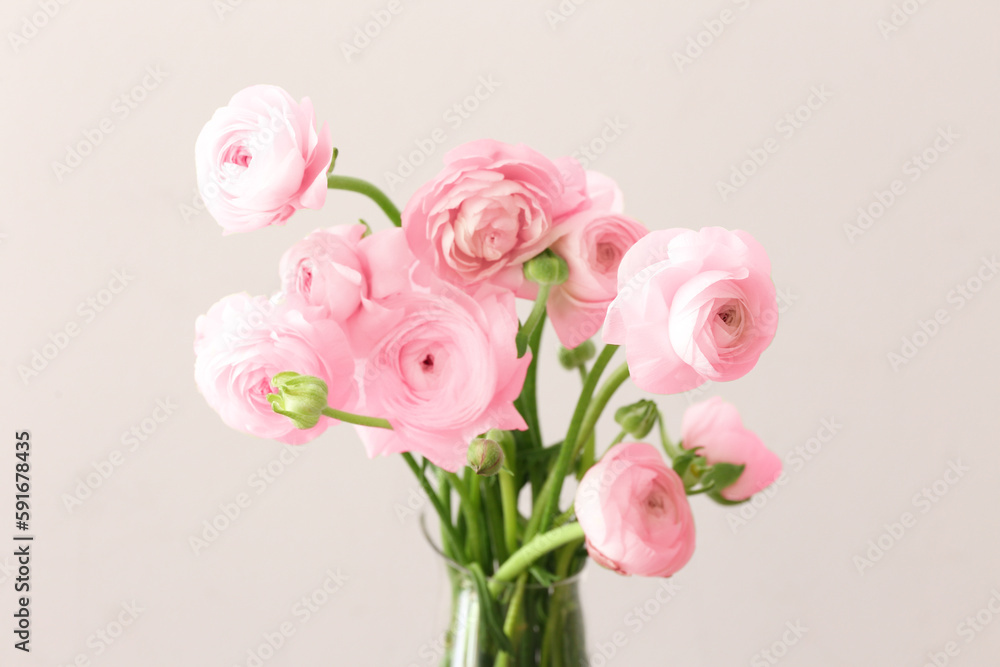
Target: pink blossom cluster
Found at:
x=417, y=325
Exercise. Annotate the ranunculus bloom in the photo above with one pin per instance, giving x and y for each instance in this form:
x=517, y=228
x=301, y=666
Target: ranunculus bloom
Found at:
x=325, y=269
x=444, y=371
x=635, y=514
x=604, y=192
x=259, y=159
x=244, y=341
x=715, y=426
x=692, y=306
x=492, y=207
x=593, y=244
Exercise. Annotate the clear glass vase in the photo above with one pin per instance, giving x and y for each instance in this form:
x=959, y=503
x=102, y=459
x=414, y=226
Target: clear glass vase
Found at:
x=546, y=630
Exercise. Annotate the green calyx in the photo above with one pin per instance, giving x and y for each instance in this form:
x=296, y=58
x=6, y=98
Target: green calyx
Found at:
x=301, y=398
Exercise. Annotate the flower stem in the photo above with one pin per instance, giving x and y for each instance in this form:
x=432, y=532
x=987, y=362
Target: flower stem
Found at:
x=360, y=420
x=601, y=399
x=337, y=182
x=508, y=499
x=443, y=514
x=542, y=544
x=547, y=502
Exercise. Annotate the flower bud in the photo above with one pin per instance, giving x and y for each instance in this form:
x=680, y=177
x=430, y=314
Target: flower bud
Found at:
x=637, y=419
x=547, y=268
x=301, y=398
x=485, y=457
x=578, y=356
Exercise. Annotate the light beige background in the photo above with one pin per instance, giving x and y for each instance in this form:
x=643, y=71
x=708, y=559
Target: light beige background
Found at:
x=849, y=304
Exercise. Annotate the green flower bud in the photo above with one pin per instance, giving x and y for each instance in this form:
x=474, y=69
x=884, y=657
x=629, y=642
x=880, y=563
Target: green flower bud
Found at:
x=578, y=356
x=547, y=268
x=485, y=457
x=637, y=419
x=301, y=398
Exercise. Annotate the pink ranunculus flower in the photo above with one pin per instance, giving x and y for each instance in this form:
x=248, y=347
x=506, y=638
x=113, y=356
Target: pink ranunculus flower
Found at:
x=715, y=427
x=493, y=207
x=593, y=244
x=244, y=341
x=259, y=159
x=444, y=370
x=692, y=306
x=325, y=269
x=604, y=192
x=634, y=513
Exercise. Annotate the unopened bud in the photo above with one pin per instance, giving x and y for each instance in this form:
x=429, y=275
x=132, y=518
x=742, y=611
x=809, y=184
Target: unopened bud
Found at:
x=547, y=268
x=637, y=419
x=301, y=398
x=578, y=356
x=485, y=457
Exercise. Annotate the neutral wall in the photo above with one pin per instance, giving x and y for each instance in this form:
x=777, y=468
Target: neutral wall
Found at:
x=880, y=432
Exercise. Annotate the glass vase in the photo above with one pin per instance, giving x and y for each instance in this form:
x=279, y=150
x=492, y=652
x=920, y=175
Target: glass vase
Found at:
x=546, y=629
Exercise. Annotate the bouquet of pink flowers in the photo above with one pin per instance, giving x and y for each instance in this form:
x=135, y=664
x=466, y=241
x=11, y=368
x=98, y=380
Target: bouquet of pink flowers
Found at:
x=411, y=334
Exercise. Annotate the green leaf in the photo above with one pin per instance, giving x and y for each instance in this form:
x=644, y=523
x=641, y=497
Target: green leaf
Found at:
x=488, y=607
x=714, y=495
x=522, y=343
x=683, y=462
x=722, y=475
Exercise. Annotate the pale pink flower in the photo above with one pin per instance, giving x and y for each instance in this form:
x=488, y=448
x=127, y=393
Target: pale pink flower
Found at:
x=259, y=159
x=444, y=370
x=244, y=341
x=715, y=429
x=325, y=269
x=692, y=306
x=635, y=514
x=593, y=244
x=493, y=207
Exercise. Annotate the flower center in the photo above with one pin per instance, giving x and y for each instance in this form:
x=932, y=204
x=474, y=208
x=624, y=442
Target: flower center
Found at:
x=427, y=365
x=305, y=280
x=608, y=257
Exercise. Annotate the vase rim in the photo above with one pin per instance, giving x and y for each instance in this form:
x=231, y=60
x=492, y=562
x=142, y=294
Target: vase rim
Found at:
x=568, y=581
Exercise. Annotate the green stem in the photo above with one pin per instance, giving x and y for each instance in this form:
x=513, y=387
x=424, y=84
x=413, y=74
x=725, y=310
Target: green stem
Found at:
x=513, y=612
x=537, y=311
x=618, y=438
x=542, y=544
x=337, y=182
x=438, y=506
x=672, y=450
x=601, y=399
x=360, y=420
x=494, y=520
x=528, y=400
x=471, y=514
x=545, y=509
x=508, y=499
